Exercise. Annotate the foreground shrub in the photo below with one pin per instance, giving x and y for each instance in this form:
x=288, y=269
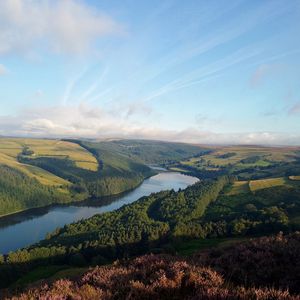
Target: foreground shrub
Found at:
x=149, y=277
x=268, y=261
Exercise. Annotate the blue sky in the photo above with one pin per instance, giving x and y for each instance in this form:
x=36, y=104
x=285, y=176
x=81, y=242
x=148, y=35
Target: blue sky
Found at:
x=194, y=71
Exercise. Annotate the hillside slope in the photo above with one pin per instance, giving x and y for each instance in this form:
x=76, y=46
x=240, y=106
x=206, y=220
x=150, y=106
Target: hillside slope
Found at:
x=274, y=260
x=161, y=221
x=61, y=171
x=153, y=152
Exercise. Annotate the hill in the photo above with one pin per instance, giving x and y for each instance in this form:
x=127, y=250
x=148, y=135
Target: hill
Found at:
x=231, y=204
x=42, y=171
x=36, y=173
x=154, y=152
x=245, y=162
x=216, y=274
x=162, y=222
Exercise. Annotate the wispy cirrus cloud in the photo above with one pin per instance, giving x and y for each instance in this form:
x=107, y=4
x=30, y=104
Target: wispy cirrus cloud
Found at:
x=93, y=87
x=188, y=58
x=204, y=73
x=64, y=26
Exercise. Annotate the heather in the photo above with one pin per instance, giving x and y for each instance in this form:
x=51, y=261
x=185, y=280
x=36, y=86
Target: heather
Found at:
x=150, y=277
x=272, y=261
x=262, y=268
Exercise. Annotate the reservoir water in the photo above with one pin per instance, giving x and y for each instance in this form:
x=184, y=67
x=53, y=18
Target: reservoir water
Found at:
x=23, y=229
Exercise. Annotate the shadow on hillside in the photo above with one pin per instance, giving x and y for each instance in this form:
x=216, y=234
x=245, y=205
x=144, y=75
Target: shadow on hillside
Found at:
x=19, y=266
x=238, y=271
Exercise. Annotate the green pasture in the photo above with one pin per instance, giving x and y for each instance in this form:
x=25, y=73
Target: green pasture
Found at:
x=11, y=147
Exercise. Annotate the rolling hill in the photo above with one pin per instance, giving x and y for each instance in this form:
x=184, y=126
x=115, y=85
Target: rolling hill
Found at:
x=45, y=171
x=257, y=194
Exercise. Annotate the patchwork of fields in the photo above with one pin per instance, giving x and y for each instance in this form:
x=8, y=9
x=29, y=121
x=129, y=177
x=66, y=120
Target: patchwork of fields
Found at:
x=253, y=167
x=245, y=156
x=239, y=187
x=70, y=167
x=266, y=183
x=10, y=148
x=40, y=172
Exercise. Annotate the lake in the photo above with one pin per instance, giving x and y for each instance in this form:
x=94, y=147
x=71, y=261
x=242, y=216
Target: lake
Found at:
x=23, y=229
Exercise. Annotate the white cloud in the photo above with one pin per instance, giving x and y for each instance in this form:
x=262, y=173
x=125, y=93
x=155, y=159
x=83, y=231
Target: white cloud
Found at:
x=63, y=26
x=3, y=70
x=84, y=120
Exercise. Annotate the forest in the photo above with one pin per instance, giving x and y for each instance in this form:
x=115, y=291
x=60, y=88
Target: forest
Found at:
x=18, y=192
x=44, y=172
x=228, y=205
x=132, y=229
x=149, y=150
x=158, y=223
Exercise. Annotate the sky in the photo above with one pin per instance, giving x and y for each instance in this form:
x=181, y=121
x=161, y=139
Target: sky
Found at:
x=207, y=72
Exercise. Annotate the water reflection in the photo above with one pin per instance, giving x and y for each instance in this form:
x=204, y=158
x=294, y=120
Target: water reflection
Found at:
x=22, y=229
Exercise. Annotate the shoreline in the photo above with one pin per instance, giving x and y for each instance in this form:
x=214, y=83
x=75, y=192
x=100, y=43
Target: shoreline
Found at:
x=57, y=215
x=26, y=210
x=92, y=198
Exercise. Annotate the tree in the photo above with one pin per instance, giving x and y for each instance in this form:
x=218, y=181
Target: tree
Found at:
x=77, y=260
x=238, y=227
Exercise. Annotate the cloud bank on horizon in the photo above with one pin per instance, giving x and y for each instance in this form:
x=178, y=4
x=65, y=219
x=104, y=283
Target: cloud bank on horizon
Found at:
x=213, y=72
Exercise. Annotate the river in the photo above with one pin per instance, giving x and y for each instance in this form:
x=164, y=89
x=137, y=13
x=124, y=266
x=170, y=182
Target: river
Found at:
x=23, y=229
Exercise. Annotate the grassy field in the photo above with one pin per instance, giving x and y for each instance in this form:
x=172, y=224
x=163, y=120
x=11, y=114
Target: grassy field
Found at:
x=49, y=274
x=11, y=147
x=219, y=156
x=266, y=183
x=178, y=170
x=239, y=187
x=190, y=247
x=41, y=175
x=65, y=171
x=294, y=178
x=68, y=273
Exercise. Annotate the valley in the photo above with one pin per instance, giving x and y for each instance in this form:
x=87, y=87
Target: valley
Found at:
x=44, y=172
x=149, y=150
x=224, y=196
x=33, y=225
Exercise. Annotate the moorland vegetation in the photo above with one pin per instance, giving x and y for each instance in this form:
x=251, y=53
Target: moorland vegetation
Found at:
x=243, y=193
